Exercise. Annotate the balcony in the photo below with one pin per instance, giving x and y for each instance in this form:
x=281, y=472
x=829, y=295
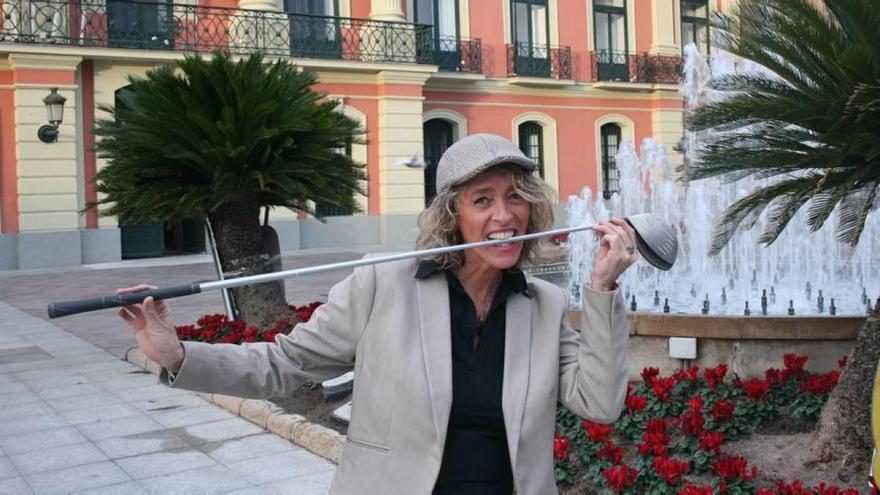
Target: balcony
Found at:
x=194, y=28
x=457, y=54
x=635, y=68
x=538, y=60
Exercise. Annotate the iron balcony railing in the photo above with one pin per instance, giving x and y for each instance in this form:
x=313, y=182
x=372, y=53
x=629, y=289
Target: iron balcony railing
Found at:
x=531, y=59
x=457, y=54
x=637, y=68
x=195, y=28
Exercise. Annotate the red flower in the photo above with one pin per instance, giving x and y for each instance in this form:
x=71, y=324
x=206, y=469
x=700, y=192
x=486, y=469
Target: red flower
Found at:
x=796, y=487
x=715, y=376
x=209, y=335
x=711, y=441
x=690, y=489
x=648, y=374
x=765, y=491
x=636, y=403
x=696, y=404
x=662, y=388
x=723, y=410
x=755, y=388
x=734, y=467
x=610, y=452
x=597, y=432
x=691, y=423
x=794, y=364
x=560, y=446
x=820, y=384
x=773, y=375
x=670, y=469
x=823, y=489
x=654, y=439
x=842, y=362
x=620, y=477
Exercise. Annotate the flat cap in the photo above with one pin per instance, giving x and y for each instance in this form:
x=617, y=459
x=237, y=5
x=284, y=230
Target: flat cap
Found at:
x=470, y=156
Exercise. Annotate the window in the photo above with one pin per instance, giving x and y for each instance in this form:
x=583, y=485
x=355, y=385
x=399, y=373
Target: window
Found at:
x=335, y=211
x=530, y=27
x=148, y=24
x=531, y=142
x=314, y=33
x=443, y=15
x=695, y=24
x=438, y=137
x=610, y=174
x=612, y=51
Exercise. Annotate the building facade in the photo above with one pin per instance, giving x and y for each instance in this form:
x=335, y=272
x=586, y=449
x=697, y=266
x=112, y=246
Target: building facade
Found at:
x=566, y=80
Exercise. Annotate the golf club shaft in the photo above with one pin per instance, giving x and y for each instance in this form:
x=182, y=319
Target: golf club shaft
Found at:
x=59, y=309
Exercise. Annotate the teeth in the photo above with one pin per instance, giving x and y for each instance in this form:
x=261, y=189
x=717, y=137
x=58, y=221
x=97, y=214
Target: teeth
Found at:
x=501, y=235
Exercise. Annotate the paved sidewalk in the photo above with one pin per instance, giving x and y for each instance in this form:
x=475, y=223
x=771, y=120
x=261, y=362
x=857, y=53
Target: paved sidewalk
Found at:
x=74, y=418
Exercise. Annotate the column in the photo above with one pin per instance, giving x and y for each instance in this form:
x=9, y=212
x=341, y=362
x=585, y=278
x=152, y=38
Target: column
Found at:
x=663, y=27
x=387, y=10
x=401, y=189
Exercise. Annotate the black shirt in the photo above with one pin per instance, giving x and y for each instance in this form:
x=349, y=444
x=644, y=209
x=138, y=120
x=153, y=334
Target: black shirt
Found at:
x=476, y=459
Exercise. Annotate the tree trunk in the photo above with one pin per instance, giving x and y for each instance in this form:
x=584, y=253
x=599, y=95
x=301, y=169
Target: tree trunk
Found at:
x=843, y=435
x=240, y=245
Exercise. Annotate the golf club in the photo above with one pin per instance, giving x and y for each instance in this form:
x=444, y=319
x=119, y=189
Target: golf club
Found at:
x=655, y=240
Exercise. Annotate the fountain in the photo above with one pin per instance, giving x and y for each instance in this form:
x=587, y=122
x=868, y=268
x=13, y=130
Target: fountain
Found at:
x=798, y=264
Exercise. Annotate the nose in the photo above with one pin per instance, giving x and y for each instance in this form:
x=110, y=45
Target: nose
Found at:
x=503, y=212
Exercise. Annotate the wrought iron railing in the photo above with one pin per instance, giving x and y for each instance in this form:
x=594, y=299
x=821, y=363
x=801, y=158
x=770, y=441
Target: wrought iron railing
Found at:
x=457, y=54
x=641, y=67
x=531, y=59
x=169, y=26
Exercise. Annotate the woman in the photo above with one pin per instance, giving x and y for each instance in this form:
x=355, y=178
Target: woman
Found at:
x=459, y=360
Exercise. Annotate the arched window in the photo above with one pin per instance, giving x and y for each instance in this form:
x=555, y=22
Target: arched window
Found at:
x=695, y=24
x=330, y=210
x=610, y=174
x=531, y=142
x=438, y=136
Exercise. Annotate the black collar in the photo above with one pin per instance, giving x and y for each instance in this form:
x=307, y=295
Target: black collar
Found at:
x=513, y=278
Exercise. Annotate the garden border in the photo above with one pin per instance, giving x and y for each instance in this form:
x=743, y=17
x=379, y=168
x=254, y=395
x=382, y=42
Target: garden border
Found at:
x=315, y=438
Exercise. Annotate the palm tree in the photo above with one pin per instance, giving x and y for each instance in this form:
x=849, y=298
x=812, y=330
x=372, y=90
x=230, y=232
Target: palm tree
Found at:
x=223, y=139
x=811, y=127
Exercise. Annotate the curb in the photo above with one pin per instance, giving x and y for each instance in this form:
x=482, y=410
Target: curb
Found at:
x=315, y=438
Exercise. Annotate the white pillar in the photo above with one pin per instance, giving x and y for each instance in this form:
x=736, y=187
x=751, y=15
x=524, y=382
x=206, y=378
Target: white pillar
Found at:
x=387, y=10
x=664, y=26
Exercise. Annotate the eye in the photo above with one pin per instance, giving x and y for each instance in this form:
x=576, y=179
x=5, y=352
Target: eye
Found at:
x=482, y=200
x=515, y=196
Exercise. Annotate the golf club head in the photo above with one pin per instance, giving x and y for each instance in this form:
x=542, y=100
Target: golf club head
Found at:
x=655, y=239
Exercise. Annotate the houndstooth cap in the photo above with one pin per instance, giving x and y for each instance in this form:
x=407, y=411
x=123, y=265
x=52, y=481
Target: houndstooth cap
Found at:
x=470, y=156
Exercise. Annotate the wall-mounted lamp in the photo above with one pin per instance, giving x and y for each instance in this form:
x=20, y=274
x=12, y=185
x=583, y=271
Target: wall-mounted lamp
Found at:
x=55, y=109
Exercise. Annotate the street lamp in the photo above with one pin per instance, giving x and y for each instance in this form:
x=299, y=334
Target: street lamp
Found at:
x=55, y=110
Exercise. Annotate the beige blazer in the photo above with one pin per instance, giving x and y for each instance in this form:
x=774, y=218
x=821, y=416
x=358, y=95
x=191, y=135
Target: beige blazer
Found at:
x=394, y=331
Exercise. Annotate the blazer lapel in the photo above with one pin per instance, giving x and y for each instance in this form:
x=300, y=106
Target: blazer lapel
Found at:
x=434, y=325
x=517, y=345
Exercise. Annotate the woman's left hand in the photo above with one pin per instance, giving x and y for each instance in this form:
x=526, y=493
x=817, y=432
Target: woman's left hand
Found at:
x=617, y=251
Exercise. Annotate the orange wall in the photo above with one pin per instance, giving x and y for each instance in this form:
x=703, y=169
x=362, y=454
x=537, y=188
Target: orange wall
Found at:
x=488, y=25
x=644, y=28
x=8, y=160
x=573, y=32
x=576, y=128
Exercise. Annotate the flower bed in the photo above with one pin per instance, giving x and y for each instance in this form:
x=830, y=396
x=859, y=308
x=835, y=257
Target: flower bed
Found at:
x=217, y=329
x=671, y=437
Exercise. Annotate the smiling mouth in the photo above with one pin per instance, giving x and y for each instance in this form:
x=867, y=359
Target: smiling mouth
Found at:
x=496, y=236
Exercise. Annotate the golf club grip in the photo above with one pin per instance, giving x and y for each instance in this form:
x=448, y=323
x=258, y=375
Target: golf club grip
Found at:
x=65, y=308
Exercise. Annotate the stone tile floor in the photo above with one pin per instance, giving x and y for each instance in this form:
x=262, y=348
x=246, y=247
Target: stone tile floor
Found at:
x=76, y=419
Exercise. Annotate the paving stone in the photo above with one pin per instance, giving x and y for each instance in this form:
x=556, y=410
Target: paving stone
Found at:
x=289, y=464
x=14, y=398
x=163, y=463
x=168, y=403
x=83, y=401
x=152, y=392
x=51, y=382
x=57, y=458
x=142, y=443
x=26, y=424
x=99, y=413
x=216, y=431
x=77, y=478
x=129, y=488
x=134, y=381
x=312, y=484
x=120, y=427
x=190, y=416
x=11, y=386
x=28, y=442
x=239, y=449
x=204, y=480
x=10, y=411
x=15, y=486
x=7, y=469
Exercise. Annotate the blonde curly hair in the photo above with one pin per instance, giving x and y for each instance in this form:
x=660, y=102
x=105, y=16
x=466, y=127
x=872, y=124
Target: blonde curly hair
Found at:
x=438, y=223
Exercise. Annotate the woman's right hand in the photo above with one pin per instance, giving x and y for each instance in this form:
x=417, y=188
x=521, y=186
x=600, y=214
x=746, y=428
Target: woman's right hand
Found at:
x=155, y=334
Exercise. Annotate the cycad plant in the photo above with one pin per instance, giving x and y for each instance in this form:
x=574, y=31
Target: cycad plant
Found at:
x=224, y=139
x=810, y=127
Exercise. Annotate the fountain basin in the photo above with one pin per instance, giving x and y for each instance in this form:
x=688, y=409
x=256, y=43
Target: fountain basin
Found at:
x=747, y=344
